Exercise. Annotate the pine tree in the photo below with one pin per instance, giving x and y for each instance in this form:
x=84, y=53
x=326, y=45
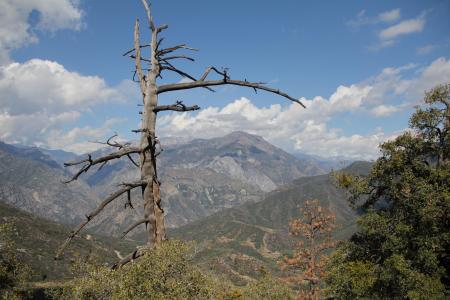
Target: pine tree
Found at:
x=314, y=230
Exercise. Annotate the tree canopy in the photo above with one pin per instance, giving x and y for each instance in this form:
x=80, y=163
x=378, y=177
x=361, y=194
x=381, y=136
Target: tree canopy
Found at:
x=401, y=248
x=13, y=273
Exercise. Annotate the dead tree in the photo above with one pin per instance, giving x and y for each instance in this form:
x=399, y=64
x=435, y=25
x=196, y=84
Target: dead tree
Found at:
x=315, y=227
x=160, y=60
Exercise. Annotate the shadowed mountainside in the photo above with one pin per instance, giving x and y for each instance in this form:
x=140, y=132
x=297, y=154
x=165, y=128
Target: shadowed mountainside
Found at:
x=37, y=240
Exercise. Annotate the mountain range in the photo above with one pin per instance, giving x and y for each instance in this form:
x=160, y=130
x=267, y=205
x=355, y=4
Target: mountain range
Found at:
x=200, y=177
x=232, y=195
x=32, y=181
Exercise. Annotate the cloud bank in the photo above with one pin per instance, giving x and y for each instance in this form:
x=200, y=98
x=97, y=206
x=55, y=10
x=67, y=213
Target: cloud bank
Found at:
x=16, y=29
x=39, y=97
x=307, y=130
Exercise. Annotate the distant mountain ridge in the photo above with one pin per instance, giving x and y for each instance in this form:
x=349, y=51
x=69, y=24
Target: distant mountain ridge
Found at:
x=59, y=156
x=199, y=178
x=242, y=156
x=31, y=153
x=32, y=181
x=202, y=177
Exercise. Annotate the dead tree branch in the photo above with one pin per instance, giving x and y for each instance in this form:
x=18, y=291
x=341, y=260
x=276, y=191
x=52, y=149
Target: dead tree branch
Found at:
x=178, y=57
x=179, y=106
x=141, y=58
x=129, y=258
x=138, y=57
x=132, y=160
x=158, y=43
x=131, y=50
x=89, y=162
x=161, y=28
x=168, y=66
x=127, y=187
x=211, y=68
x=134, y=225
x=199, y=83
x=112, y=143
x=149, y=15
x=165, y=51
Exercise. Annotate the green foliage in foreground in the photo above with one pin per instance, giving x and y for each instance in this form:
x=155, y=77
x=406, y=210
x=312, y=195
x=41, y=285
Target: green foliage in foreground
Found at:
x=13, y=273
x=401, y=249
x=162, y=273
x=267, y=287
x=165, y=272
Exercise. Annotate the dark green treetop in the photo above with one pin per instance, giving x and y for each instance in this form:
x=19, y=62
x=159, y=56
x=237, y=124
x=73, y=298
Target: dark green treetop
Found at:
x=401, y=248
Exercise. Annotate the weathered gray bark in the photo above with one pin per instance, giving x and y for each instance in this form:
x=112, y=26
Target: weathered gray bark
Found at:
x=159, y=61
x=153, y=211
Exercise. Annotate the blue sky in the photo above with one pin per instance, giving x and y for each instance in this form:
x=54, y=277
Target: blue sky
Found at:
x=359, y=66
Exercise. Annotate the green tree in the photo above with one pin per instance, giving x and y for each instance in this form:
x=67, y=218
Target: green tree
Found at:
x=401, y=248
x=13, y=273
x=164, y=272
x=267, y=288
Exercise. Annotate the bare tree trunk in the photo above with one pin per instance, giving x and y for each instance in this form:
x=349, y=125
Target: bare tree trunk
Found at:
x=161, y=59
x=151, y=192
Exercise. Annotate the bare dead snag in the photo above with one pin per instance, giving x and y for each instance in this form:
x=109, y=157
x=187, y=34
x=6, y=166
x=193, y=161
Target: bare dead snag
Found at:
x=160, y=60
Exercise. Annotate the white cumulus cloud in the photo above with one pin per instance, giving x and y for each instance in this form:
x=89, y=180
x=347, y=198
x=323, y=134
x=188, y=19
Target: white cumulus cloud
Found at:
x=42, y=85
x=80, y=139
x=39, y=97
x=308, y=130
x=49, y=15
x=384, y=110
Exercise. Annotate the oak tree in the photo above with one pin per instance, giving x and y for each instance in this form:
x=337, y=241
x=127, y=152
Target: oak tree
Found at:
x=13, y=272
x=401, y=248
